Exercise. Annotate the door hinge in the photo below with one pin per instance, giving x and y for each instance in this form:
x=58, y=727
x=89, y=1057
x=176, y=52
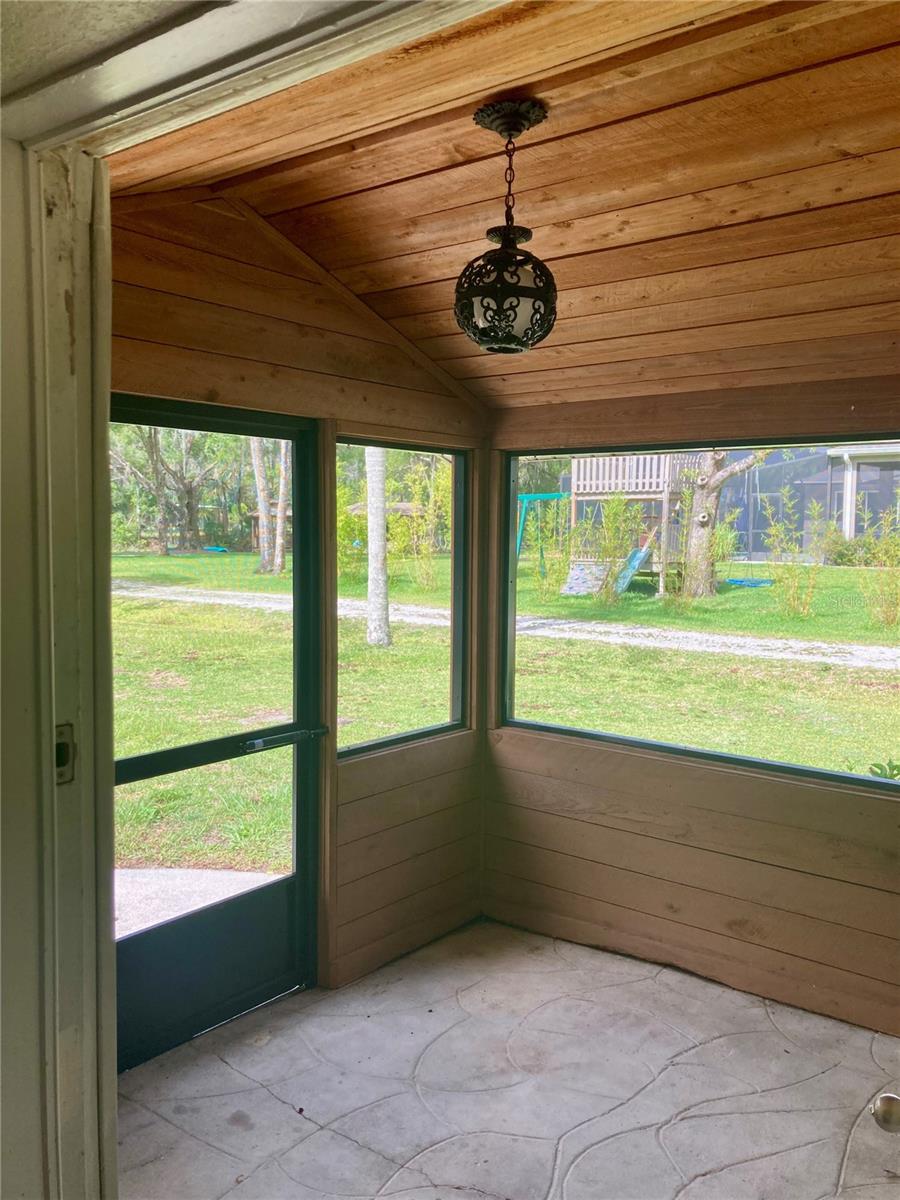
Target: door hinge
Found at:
x=65, y=753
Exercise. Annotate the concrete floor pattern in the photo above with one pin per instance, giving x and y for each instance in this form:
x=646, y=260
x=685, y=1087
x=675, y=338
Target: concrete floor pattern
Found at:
x=500, y=1065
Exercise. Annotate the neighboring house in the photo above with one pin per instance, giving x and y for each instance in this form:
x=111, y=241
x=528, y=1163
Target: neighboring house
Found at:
x=843, y=480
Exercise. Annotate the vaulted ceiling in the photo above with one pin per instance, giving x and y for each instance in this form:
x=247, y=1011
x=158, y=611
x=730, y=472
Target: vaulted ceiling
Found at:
x=716, y=189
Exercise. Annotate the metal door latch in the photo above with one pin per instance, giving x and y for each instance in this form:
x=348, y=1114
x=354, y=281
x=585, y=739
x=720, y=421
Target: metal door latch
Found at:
x=284, y=739
x=65, y=753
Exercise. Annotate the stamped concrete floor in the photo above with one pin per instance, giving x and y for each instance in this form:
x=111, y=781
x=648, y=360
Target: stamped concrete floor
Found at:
x=499, y=1064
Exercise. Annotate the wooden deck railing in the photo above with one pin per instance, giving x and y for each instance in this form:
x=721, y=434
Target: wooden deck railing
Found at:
x=631, y=474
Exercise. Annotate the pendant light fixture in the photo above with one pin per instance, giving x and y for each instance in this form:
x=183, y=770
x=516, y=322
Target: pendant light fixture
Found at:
x=506, y=298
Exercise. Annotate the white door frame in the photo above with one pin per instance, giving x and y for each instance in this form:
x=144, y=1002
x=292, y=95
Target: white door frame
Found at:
x=63, y=132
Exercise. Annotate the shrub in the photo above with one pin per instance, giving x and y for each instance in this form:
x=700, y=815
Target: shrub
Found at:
x=417, y=536
x=880, y=553
x=351, y=537
x=547, y=542
x=838, y=550
x=795, y=577
x=610, y=540
x=124, y=531
x=726, y=537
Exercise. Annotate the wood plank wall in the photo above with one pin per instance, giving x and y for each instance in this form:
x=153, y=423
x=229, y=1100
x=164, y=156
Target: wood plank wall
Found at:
x=785, y=888
x=210, y=305
x=862, y=408
x=408, y=847
x=208, y=308
x=780, y=886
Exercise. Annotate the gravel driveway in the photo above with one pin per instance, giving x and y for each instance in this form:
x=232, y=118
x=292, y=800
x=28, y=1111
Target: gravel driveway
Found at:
x=838, y=654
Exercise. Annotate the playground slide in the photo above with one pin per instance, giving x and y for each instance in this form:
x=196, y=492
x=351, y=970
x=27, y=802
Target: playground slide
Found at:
x=633, y=564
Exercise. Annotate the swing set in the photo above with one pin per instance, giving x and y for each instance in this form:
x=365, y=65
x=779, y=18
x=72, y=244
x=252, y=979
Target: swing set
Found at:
x=526, y=499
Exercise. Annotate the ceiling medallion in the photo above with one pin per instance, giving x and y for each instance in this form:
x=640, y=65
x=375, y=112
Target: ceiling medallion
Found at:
x=506, y=298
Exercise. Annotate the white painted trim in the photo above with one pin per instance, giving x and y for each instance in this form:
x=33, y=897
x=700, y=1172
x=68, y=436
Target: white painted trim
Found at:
x=29, y=1073
x=225, y=57
x=848, y=514
x=869, y=452
x=70, y=258
x=104, y=748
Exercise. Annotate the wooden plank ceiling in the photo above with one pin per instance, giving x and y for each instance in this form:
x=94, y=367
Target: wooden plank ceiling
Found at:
x=717, y=189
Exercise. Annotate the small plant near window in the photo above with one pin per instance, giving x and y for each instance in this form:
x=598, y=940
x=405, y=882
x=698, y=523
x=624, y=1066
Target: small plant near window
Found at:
x=795, y=565
x=885, y=770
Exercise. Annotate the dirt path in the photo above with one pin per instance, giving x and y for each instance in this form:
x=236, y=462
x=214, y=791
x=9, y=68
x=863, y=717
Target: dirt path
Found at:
x=838, y=654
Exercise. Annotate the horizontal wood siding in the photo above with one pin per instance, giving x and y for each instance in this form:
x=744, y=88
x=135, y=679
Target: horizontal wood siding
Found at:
x=865, y=407
x=782, y=886
x=408, y=850
x=208, y=306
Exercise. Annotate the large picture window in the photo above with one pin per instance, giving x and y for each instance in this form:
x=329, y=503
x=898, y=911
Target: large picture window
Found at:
x=742, y=601
x=401, y=591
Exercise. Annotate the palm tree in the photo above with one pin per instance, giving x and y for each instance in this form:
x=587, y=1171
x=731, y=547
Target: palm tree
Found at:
x=378, y=632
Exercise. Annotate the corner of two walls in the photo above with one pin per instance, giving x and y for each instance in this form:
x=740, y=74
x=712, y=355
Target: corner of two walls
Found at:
x=782, y=886
x=779, y=886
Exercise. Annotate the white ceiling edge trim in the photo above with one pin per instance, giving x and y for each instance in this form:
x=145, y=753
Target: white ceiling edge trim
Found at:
x=177, y=77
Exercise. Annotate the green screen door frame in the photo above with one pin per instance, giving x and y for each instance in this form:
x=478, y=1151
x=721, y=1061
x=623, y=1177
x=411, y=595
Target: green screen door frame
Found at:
x=185, y=975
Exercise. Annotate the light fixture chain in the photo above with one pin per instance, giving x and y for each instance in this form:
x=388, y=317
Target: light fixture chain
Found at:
x=510, y=176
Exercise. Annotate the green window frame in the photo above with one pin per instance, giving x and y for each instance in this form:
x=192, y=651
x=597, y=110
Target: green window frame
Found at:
x=507, y=624
x=460, y=633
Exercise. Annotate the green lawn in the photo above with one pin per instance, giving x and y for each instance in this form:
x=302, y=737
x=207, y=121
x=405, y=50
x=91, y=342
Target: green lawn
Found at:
x=808, y=714
x=185, y=672
x=839, y=612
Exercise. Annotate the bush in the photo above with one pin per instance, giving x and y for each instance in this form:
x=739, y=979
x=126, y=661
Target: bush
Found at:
x=351, y=537
x=880, y=552
x=547, y=541
x=611, y=540
x=838, y=550
x=796, y=577
x=124, y=533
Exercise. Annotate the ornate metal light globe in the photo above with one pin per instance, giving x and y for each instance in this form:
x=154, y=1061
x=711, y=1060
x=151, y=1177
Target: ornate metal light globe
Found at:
x=506, y=298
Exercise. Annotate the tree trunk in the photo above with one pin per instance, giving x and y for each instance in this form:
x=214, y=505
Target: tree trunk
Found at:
x=263, y=505
x=699, y=567
x=699, y=561
x=699, y=552
x=284, y=490
x=378, y=632
x=150, y=439
x=191, y=506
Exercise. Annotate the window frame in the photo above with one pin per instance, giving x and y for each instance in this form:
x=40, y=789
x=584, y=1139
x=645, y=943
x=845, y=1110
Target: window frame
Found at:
x=460, y=619
x=507, y=648
x=307, y=667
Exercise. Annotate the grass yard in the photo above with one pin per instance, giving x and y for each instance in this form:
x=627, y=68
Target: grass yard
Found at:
x=187, y=672
x=184, y=672
x=839, y=611
x=808, y=714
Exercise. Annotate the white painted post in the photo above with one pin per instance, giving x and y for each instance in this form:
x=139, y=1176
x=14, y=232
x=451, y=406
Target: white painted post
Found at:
x=848, y=521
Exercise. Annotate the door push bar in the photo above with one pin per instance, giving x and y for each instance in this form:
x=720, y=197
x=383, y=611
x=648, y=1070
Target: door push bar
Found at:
x=284, y=739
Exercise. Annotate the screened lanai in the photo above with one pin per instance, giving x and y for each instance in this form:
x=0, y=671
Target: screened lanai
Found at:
x=504, y=708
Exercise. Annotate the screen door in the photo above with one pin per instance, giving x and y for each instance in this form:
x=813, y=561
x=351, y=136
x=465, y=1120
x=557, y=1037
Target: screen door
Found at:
x=217, y=722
